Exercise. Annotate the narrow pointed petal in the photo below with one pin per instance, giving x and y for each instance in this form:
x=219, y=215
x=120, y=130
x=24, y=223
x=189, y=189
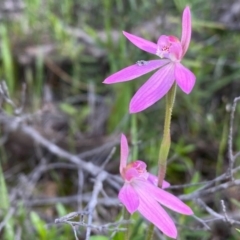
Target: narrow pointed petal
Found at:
x=124, y=153
x=141, y=43
x=153, y=90
x=154, y=180
x=129, y=198
x=154, y=213
x=134, y=71
x=184, y=78
x=186, y=29
x=163, y=197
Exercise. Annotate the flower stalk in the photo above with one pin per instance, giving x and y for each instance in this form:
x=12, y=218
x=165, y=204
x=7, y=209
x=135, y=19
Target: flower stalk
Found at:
x=150, y=232
x=134, y=135
x=166, y=141
x=165, y=145
x=126, y=216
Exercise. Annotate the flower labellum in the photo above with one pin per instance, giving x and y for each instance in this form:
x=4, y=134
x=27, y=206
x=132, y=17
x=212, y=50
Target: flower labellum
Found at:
x=140, y=193
x=171, y=50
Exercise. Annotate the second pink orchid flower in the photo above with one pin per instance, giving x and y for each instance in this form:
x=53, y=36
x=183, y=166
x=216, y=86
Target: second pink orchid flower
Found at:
x=140, y=193
x=171, y=70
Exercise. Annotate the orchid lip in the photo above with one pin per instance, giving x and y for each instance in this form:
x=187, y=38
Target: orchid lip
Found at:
x=159, y=54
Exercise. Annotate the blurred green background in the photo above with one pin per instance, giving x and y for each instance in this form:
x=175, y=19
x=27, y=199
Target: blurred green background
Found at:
x=63, y=50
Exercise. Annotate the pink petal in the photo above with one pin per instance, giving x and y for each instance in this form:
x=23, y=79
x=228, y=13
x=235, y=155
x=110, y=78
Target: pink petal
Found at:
x=154, y=213
x=163, y=197
x=163, y=40
x=186, y=29
x=175, y=51
x=124, y=153
x=154, y=180
x=184, y=78
x=153, y=90
x=134, y=71
x=129, y=197
x=165, y=184
x=141, y=43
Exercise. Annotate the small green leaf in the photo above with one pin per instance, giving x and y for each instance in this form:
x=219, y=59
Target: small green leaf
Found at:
x=68, y=109
x=39, y=225
x=61, y=209
x=99, y=237
x=3, y=191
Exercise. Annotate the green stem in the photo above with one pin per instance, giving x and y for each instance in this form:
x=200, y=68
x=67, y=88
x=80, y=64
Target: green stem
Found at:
x=126, y=216
x=165, y=145
x=220, y=158
x=166, y=141
x=134, y=136
x=150, y=232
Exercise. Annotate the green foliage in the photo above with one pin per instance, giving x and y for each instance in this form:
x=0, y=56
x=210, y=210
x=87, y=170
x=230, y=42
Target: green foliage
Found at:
x=235, y=202
x=43, y=232
x=68, y=109
x=5, y=206
x=4, y=203
x=7, y=71
x=39, y=225
x=98, y=238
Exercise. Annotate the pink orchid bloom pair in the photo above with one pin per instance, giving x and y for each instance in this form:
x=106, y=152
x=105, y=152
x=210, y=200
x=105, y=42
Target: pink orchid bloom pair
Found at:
x=140, y=192
x=171, y=70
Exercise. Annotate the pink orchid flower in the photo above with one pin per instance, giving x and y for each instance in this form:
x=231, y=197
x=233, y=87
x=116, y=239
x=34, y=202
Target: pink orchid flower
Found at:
x=140, y=192
x=171, y=70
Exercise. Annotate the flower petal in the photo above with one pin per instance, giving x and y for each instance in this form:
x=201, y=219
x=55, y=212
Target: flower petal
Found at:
x=154, y=180
x=165, y=184
x=154, y=89
x=186, y=29
x=134, y=71
x=129, y=197
x=175, y=51
x=124, y=153
x=184, y=78
x=154, y=213
x=141, y=43
x=163, y=197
